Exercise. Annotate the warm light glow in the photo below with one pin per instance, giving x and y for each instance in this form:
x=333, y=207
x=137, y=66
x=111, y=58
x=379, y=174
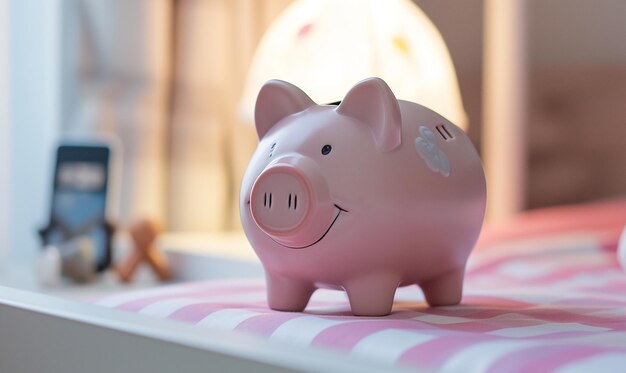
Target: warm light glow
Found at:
x=326, y=46
x=504, y=105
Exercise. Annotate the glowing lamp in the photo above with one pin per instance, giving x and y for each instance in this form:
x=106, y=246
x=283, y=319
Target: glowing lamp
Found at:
x=326, y=46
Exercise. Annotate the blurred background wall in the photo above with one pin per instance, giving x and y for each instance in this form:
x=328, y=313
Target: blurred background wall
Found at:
x=166, y=77
x=576, y=95
x=34, y=118
x=4, y=130
x=577, y=99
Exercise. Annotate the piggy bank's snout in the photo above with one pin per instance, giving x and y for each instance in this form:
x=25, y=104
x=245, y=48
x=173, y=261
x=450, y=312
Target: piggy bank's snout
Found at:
x=280, y=200
x=291, y=203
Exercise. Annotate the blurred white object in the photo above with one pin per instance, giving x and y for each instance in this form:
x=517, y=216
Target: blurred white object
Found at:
x=621, y=249
x=48, y=266
x=78, y=260
x=73, y=259
x=325, y=47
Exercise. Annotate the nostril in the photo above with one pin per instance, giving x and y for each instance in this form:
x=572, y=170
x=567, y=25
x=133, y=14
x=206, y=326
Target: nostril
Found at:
x=267, y=200
x=295, y=202
x=289, y=203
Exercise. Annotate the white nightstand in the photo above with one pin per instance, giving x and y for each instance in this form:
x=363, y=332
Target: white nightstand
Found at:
x=23, y=277
x=194, y=257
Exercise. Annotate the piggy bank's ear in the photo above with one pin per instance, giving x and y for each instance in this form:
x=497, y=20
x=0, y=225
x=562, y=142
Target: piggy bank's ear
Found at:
x=372, y=102
x=277, y=100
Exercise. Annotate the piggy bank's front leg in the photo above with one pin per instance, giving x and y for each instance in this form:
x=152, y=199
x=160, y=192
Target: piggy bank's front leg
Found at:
x=445, y=289
x=372, y=295
x=285, y=294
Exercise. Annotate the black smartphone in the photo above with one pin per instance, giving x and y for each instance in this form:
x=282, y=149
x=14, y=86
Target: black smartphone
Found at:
x=80, y=197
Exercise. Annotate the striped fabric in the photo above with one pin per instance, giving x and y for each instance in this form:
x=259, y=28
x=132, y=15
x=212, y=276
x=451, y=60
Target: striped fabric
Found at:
x=552, y=305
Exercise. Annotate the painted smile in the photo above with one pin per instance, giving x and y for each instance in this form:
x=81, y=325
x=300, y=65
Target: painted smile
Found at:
x=339, y=211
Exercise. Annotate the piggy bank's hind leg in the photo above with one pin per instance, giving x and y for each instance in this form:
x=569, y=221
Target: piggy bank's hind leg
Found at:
x=285, y=294
x=372, y=295
x=444, y=290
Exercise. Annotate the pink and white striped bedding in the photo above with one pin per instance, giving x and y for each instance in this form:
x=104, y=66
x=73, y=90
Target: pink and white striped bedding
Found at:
x=555, y=303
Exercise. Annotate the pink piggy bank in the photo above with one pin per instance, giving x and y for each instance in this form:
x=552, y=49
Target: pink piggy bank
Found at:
x=364, y=196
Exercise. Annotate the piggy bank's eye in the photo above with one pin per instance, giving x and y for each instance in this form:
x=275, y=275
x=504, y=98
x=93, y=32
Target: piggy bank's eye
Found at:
x=326, y=149
x=272, y=149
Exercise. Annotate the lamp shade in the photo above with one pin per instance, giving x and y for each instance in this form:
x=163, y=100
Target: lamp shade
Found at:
x=326, y=46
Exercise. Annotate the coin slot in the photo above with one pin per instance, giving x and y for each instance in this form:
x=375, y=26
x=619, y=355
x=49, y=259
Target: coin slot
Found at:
x=443, y=132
